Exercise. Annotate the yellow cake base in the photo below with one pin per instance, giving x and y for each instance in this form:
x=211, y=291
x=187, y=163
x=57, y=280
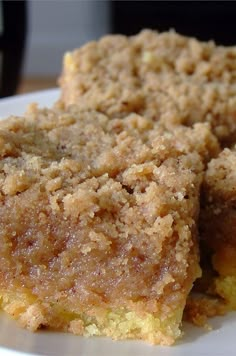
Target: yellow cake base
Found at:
x=226, y=288
x=118, y=324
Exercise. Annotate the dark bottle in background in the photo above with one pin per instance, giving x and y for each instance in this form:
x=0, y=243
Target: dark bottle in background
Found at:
x=13, y=26
x=205, y=20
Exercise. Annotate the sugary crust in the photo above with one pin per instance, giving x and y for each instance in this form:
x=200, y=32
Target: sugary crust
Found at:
x=99, y=215
x=164, y=76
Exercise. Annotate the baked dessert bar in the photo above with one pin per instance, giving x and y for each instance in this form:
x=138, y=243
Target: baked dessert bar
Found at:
x=163, y=76
x=218, y=223
x=98, y=222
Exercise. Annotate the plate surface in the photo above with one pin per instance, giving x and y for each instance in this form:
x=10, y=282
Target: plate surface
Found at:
x=15, y=341
x=16, y=105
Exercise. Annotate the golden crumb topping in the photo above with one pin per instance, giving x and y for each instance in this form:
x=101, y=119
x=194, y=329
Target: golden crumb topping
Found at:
x=164, y=76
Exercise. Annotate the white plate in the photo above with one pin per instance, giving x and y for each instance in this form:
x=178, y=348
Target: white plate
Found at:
x=15, y=341
x=16, y=105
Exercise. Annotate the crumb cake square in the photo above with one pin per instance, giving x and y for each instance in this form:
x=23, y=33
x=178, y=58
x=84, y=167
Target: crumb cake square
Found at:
x=98, y=222
x=163, y=76
x=218, y=223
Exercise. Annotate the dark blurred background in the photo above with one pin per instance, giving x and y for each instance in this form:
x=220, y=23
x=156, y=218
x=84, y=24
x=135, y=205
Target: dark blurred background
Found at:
x=34, y=34
x=203, y=19
x=13, y=29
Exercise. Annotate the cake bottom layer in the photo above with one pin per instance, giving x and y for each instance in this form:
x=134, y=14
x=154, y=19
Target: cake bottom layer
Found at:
x=118, y=324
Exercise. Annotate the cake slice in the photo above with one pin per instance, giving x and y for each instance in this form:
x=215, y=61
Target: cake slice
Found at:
x=218, y=224
x=98, y=222
x=163, y=76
